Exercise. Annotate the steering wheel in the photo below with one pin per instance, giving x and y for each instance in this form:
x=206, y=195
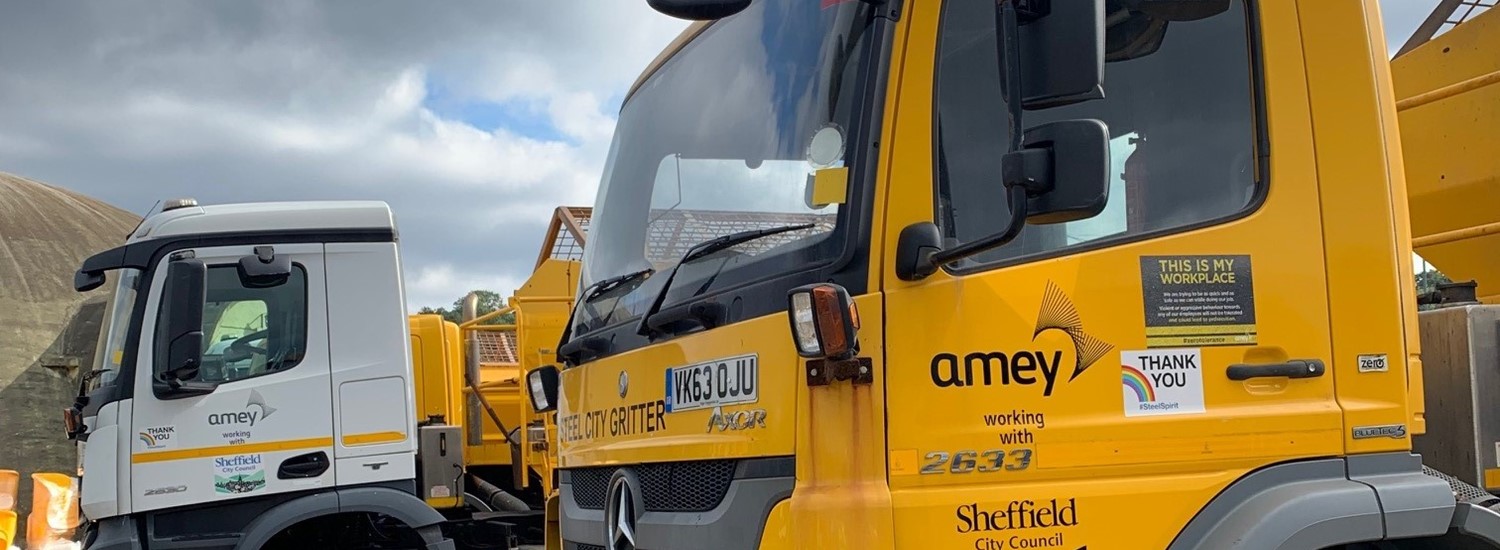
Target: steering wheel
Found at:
x=241, y=349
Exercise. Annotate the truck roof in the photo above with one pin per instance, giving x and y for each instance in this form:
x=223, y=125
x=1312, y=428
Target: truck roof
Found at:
x=687, y=35
x=267, y=216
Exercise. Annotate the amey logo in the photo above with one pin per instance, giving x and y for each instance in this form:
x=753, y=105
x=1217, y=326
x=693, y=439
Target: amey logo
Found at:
x=255, y=410
x=1026, y=367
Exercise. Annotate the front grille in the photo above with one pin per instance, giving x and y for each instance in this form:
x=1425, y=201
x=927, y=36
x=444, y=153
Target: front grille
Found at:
x=582, y=546
x=590, y=487
x=665, y=487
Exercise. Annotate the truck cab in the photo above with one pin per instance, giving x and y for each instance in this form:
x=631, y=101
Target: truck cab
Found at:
x=255, y=379
x=1118, y=274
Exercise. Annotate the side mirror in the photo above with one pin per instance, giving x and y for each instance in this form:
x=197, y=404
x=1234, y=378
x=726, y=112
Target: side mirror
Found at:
x=1079, y=171
x=264, y=268
x=699, y=10
x=179, y=340
x=542, y=383
x=825, y=321
x=1060, y=173
x=1061, y=51
x=84, y=281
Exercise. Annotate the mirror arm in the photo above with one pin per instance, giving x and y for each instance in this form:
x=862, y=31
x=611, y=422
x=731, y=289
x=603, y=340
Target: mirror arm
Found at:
x=1017, y=197
x=167, y=386
x=1007, y=21
x=1015, y=175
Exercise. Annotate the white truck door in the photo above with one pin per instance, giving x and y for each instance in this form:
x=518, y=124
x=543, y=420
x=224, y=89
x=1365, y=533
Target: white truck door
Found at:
x=267, y=426
x=370, y=350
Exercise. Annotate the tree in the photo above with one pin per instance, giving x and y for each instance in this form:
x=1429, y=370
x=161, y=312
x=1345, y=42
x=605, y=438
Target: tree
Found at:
x=1428, y=281
x=489, y=301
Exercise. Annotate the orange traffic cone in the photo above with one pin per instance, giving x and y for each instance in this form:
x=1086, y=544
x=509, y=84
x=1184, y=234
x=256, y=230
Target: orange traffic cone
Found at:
x=7, y=528
x=54, y=511
x=10, y=487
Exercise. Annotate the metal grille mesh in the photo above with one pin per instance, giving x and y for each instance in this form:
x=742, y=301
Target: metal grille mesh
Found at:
x=582, y=546
x=497, y=346
x=590, y=486
x=564, y=246
x=697, y=486
x=671, y=232
x=1462, y=491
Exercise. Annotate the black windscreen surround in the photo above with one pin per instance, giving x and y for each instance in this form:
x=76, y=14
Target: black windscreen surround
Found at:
x=718, y=140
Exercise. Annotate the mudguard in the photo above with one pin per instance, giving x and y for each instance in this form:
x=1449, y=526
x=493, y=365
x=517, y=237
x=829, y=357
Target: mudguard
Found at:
x=380, y=500
x=1317, y=504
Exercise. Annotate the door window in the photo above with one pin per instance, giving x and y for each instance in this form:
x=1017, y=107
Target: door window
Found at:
x=1178, y=103
x=251, y=331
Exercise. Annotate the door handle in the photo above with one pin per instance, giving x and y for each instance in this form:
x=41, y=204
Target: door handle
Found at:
x=303, y=466
x=1295, y=368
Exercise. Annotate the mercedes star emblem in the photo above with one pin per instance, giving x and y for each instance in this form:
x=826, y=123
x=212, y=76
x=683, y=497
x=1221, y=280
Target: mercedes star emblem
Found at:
x=624, y=383
x=621, y=507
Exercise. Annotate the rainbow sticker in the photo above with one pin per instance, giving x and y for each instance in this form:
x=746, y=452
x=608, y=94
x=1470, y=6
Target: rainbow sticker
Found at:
x=1137, y=382
x=148, y=440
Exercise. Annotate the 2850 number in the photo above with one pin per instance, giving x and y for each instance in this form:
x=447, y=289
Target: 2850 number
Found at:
x=963, y=462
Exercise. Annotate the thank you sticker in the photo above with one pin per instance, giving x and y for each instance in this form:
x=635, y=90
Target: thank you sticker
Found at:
x=1162, y=381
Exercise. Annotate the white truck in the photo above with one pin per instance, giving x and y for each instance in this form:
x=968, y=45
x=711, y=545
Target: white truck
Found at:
x=255, y=388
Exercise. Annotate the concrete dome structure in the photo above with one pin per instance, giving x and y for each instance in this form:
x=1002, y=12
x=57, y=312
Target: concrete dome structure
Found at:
x=47, y=330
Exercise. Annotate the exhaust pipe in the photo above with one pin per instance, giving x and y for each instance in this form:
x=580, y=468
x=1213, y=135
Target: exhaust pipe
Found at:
x=475, y=422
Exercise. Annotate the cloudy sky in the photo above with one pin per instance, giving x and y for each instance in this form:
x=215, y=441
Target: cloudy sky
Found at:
x=473, y=119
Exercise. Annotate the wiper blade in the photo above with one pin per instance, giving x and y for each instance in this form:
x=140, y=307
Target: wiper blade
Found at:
x=703, y=249
x=611, y=283
x=733, y=239
x=593, y=291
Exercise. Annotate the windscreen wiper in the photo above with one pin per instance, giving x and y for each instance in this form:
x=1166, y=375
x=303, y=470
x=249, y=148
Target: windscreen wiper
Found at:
x=611, y=283
x=593, y=291
x=703, y=249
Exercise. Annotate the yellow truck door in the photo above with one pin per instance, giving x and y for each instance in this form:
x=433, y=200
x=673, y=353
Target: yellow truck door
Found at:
x=1095, y=383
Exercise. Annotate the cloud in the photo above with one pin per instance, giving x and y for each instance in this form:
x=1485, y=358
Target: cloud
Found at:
x=433, y=285
x=473, y=119
x=134, y=101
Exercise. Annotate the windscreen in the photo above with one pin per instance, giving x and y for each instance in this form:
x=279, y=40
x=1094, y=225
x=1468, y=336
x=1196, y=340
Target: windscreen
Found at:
x=717, y=141
x=112, y=337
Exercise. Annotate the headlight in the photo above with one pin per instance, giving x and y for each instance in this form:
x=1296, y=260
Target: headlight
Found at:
x=542, y=383
x=825, y=321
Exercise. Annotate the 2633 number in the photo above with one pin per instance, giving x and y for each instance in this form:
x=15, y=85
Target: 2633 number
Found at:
x=963, y=462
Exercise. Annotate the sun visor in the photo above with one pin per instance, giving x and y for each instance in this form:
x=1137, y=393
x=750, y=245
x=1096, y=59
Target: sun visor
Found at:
x=91, y=274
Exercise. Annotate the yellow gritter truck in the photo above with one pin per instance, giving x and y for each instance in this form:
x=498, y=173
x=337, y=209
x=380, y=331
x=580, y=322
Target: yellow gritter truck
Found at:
x=447, y=357
x=1447, y=91
x=1016, y=274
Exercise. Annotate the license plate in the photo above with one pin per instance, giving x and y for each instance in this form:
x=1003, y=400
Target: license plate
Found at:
x=712, y=384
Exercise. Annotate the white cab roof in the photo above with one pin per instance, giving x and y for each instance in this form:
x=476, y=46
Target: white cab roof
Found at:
x=267, y=216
